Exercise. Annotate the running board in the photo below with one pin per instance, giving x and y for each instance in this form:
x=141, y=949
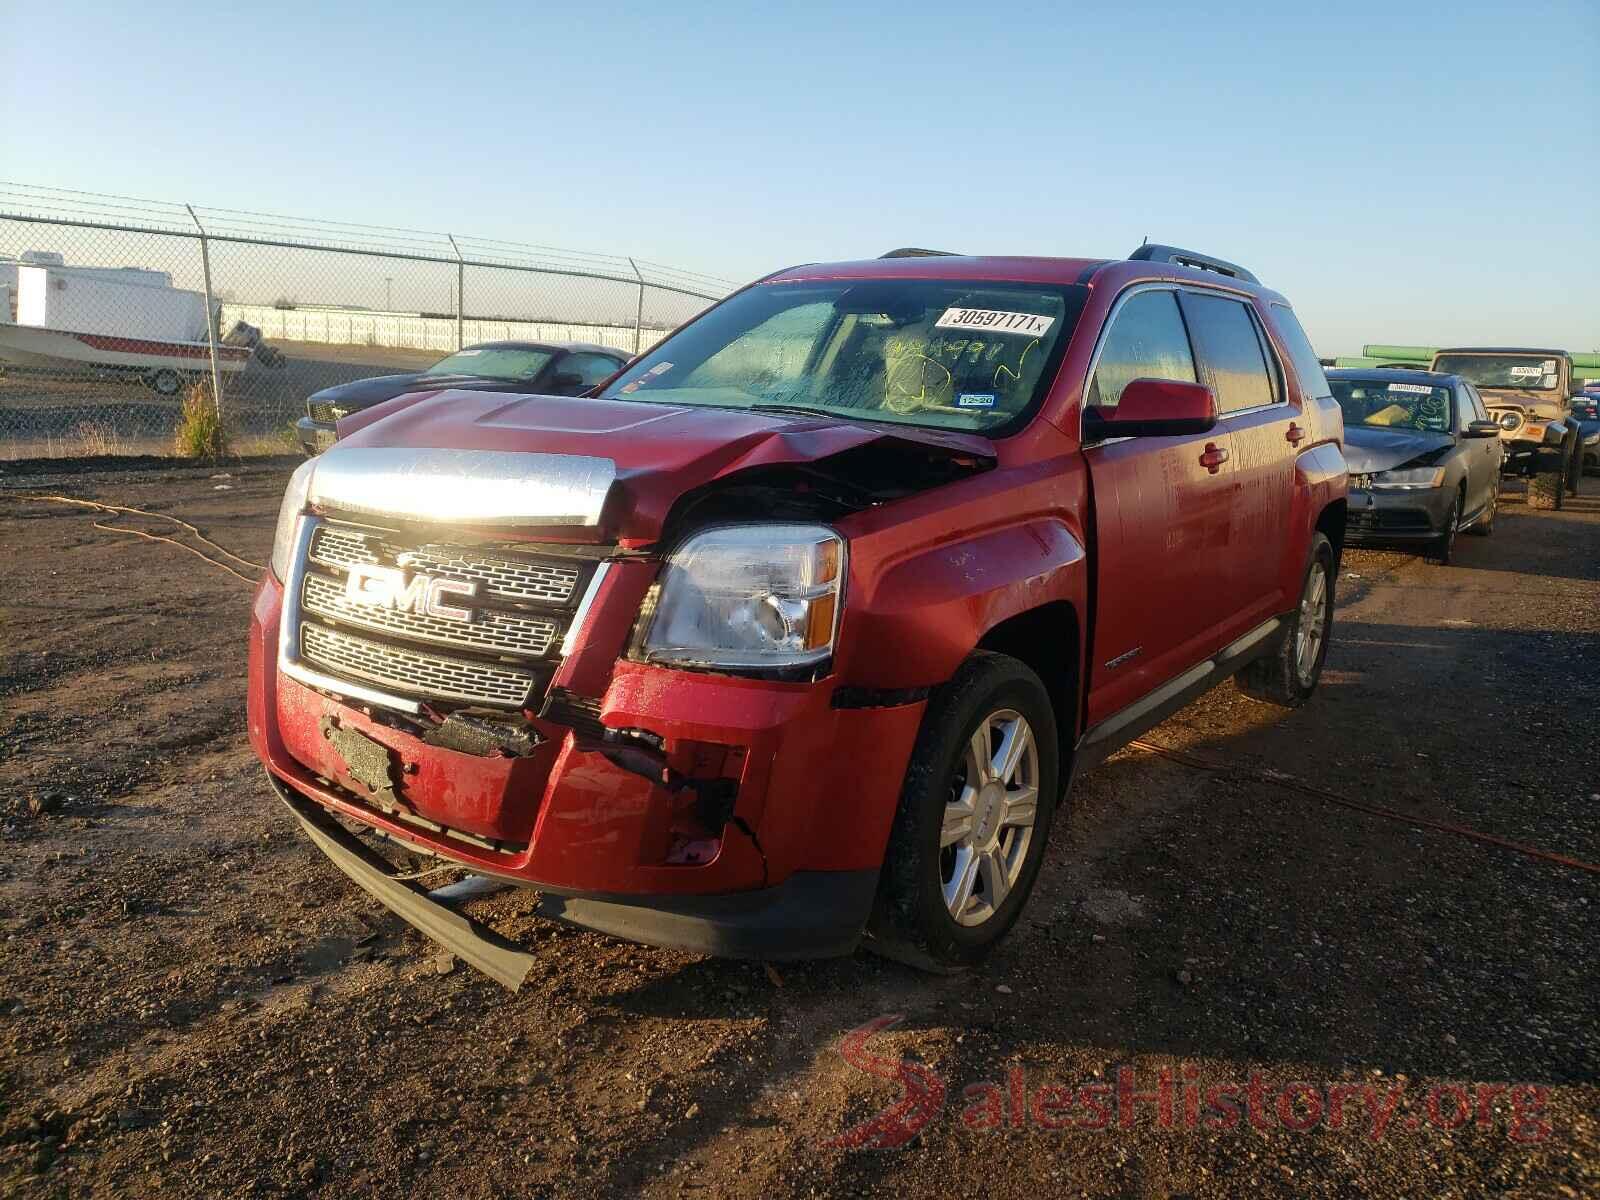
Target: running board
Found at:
x=1103, y=740
x=501, y=960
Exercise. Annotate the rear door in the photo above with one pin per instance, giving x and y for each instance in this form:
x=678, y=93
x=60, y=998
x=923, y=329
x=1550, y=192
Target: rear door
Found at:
x=1482, y=454
x=1236, y=360
x=1161, y=517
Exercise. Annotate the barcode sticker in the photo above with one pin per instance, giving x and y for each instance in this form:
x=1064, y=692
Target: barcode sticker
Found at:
x=1415, y=389
x=991, y=320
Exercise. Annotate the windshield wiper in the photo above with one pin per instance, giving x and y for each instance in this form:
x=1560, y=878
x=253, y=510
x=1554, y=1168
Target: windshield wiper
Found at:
x=798, y=410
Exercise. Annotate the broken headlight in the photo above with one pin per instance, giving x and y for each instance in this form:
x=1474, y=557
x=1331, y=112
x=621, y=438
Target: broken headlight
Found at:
x=294, y=503
x=748, y=597
x=1408, y=479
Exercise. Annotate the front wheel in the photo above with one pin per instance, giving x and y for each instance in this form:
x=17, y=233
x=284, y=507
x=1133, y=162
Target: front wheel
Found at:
x=1444, y=545
x=974, y=814
x=1287, y=676
x=1575, y=468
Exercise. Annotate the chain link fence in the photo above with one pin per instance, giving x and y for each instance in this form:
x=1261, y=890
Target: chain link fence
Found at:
x=115, y=312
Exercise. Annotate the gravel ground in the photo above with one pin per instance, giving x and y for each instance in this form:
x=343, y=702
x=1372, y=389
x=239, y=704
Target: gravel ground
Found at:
x=194, y=1003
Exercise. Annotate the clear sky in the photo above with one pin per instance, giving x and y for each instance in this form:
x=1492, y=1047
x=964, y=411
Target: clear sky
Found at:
x=1403, y=172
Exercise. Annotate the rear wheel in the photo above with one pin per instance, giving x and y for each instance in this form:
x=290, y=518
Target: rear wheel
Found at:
x=164, y=382
x=1289, y=675
x=974, y=813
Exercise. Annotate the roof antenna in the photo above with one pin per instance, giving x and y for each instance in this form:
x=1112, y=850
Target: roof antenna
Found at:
x=1146, y=240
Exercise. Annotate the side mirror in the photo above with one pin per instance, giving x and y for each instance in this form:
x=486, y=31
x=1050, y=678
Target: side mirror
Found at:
x=1481, y=429
x=1154, y=408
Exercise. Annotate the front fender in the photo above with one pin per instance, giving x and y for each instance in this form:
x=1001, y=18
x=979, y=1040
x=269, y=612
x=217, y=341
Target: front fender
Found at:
x=915, y=623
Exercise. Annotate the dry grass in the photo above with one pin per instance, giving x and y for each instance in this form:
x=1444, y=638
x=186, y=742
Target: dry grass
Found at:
x=201, y=430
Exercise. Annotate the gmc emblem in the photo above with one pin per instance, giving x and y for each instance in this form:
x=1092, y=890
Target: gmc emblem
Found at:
x=389, y=587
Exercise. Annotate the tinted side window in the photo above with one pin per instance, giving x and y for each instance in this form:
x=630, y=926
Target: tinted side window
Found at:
x=593, y=368
x=1146, y=341
x=1301, y=356
x=1474, y=410
x=1229, y=352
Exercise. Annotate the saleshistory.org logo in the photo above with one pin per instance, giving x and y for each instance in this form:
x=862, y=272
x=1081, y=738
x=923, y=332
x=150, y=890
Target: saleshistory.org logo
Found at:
x=424, y=595
x=1178, y=1100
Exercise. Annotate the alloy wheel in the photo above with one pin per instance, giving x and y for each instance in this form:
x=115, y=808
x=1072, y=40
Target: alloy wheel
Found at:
x=1313, y=622
x=989, y=819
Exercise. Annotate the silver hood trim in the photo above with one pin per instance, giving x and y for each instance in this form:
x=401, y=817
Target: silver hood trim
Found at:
x=463, y=487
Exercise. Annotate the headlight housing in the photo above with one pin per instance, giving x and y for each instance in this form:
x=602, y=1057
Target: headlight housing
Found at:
x=294, y=503
x=1407, y=479
x=748, y=598
x=1510, y=421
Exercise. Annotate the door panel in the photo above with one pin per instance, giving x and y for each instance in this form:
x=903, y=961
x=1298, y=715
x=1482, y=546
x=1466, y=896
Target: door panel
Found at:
x=1161, y=519
x=1161, y=528
x=1236, y=361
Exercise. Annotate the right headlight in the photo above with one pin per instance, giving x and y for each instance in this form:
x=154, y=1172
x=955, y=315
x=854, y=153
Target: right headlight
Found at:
x=748, y=597
x=1407, y=479
x=1510, y=421
x=294, y=503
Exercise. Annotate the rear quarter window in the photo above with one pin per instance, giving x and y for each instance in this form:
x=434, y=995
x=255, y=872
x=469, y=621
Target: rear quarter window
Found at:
x=1302, y=358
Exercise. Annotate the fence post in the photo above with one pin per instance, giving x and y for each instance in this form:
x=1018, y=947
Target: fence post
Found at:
x=638, y=315
x=211, y=319
x=461, y=282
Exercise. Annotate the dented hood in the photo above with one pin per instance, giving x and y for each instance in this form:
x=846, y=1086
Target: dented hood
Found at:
x=660, y=452
x=1368, y=449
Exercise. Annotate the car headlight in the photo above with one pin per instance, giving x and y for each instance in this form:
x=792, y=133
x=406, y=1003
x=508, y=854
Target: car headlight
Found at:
x=294, y=503
x=1510, y=421
x=745, y=597
x=1409, y=478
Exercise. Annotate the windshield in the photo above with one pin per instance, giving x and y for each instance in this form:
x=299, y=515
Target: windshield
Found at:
x=972, y=356
x=493, y=362
x=1502, y=370
x=1382, y=405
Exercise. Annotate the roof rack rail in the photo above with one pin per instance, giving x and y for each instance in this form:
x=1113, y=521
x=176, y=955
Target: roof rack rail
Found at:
x=916, y=252
x=1154, y=252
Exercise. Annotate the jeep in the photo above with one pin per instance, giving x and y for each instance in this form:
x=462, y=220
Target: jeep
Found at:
x=1529, y=393
x=793, y=635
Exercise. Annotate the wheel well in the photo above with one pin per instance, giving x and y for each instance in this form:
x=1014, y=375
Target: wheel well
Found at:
x=1330, y=524
x=1047, y=640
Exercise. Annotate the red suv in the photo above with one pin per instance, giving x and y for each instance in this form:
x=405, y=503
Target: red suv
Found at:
x=795, y=631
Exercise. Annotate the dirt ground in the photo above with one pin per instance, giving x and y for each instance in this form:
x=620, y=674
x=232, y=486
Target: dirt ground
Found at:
x=193, y=1002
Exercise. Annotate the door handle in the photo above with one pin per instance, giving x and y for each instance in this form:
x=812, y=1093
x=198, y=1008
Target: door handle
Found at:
x=1294, y=434
x=1214, y=457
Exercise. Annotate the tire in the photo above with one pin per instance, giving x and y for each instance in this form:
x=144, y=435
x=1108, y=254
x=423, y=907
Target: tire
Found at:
x=1288, y=675
x=1545, y=490
x=1444, y=545
x=165, y=382
x=953, y=844
x=1485, y=524
x=1575, y=468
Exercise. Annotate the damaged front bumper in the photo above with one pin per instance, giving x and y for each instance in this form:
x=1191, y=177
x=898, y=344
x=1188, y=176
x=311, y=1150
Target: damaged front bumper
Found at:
x=795, y=792
x=1376, y=515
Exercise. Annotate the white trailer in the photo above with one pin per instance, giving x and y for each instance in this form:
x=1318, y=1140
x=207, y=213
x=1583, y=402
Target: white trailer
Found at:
x=119, y=319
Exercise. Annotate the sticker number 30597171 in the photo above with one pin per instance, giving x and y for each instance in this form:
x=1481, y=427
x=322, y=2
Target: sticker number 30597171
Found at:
x=993, y=321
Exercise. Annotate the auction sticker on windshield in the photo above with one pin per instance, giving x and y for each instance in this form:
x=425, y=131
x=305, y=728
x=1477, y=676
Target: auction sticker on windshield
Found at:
x=1414, y=389
x=995, y=321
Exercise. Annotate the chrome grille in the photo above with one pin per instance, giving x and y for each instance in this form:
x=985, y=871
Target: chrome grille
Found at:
x=521, y=608
x=500, y=578
x=491, y=629
x=414, y=672
x=321, y=412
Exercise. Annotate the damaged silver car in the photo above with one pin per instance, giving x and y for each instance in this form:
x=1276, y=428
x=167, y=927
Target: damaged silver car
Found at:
x=1424, y=458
